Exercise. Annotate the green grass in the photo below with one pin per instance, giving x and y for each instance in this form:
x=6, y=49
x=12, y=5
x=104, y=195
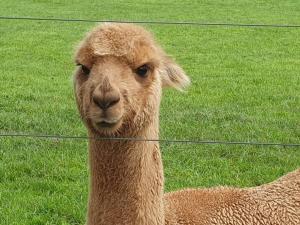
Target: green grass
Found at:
x=246, y=87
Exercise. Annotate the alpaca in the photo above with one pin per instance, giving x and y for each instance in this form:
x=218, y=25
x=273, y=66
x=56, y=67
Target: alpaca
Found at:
x=118, y=84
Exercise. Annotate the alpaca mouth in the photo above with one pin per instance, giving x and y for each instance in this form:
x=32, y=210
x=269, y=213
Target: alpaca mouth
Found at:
x=105, y=123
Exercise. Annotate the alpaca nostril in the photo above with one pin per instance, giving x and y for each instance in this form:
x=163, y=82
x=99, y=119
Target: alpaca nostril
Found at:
x=104, y=104
x=113, y=102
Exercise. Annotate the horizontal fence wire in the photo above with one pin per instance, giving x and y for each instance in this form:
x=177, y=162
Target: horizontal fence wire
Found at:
x=203, y=142
x=152, y=22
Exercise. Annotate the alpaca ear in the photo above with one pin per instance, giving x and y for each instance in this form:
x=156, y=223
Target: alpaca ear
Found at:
x=173, y=75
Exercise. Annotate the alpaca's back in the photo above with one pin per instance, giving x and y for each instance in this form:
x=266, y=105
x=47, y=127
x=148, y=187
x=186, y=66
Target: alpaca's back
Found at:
x=277, y=203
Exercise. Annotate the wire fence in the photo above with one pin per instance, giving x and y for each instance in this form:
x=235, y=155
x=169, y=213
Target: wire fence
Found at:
x=174, y=141
x=153, y=22
x=198, y=142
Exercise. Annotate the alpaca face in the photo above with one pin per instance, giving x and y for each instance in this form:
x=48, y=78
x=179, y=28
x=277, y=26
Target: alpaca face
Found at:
x=112, y=94
x=119, y=78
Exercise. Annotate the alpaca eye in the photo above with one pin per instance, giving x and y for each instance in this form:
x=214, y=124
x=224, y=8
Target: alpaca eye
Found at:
x=85, y=70
x=142, y=71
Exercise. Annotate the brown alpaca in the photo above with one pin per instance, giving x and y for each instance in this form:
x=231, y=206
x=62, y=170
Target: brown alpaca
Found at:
x=118, y=89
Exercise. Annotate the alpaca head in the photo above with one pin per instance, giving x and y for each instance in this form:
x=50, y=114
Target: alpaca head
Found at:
x=120, y=74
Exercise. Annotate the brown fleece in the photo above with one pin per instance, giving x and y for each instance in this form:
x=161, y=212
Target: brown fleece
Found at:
x=126, y=182
x=277, y=203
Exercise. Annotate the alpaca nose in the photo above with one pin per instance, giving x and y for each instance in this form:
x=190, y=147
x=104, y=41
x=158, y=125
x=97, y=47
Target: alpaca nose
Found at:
x=106, y=95
x=106, y=101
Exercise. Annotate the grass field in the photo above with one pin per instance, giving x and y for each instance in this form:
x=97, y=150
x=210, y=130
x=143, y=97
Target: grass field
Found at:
x=246, y=87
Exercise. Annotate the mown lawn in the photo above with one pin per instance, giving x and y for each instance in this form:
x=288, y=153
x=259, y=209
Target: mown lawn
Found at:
x=246, y=87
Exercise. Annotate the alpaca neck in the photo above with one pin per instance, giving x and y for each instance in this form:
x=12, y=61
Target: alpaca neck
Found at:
x=126, y=181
